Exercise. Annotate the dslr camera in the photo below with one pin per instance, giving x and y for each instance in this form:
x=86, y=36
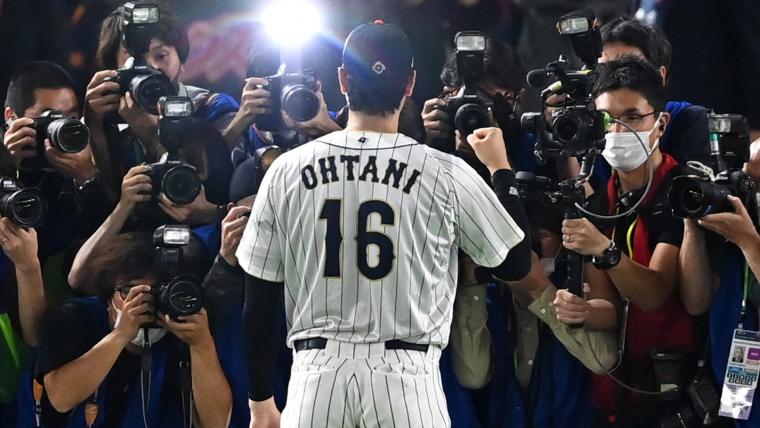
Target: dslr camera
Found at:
x=576, y=128
x=66, y=134
x=470, y=108
x=177, y=294
x=293, y=93
x=172, y=176
x=697, y=195
x=146, y=84
x=25, y=207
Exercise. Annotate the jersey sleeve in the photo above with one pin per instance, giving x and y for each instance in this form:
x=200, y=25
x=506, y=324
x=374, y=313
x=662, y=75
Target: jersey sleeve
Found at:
x=485, y=231
x=259, y=252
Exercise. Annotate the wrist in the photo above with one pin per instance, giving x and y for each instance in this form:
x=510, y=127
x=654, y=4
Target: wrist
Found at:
x=230, y=259
x=749, y=242
x=499, y=166
x=28, y=266
x=120, y=337
x=203, y=345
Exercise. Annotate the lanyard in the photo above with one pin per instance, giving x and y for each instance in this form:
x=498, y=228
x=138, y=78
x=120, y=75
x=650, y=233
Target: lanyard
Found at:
x=629, y=237
x=745, y=296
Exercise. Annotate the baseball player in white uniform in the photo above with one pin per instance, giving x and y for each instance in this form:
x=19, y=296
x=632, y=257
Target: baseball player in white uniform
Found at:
x=363, y=227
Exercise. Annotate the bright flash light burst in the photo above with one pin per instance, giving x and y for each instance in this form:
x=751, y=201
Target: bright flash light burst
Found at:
x=291, y=22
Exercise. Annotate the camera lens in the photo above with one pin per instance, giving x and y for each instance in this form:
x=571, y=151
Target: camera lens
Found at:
x=693, y=197
x=181, y=184
x=570, y=127
x=470, y=117
x=69, y=135
x=25, y=207
x=183, y=295
x=147, y=89
x=299, y=102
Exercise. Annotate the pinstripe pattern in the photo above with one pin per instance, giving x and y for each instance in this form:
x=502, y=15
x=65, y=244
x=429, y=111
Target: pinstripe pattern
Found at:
x=447, y=207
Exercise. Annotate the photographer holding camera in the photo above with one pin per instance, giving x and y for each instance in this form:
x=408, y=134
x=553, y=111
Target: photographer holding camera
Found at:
x=278, y=106
x=639, y=252
x=720, y=263
x=102, y=365
x=127, y=90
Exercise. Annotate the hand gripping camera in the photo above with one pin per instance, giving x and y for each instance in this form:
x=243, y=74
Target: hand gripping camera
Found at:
x=293, y=93
x=177, y=294
x=576, y=128
x=694, y=196
x=65, y=134
x=470, y=108
x=172, y=176
x=145, y=84
x=26, y=207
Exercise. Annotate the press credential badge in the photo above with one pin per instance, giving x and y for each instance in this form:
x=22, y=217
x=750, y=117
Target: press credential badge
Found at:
x=741, y=375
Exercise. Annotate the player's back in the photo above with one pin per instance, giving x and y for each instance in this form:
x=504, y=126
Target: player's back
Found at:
x=368, y=226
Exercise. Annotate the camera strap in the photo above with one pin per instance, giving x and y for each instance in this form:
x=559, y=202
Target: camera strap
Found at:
x=186, y=385
x=146, y=362
x=743, y=366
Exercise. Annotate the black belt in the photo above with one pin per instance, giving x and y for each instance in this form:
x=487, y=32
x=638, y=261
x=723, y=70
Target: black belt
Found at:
x=321, y=343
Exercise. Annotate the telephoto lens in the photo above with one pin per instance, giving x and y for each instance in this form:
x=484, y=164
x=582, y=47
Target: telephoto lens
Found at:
x=66, y=134
x=25, y=207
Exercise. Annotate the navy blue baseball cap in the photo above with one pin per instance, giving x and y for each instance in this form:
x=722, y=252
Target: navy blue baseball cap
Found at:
x=378, y=54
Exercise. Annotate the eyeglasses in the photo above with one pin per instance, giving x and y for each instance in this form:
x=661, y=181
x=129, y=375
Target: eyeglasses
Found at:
x=634, y=120
x=124, y=290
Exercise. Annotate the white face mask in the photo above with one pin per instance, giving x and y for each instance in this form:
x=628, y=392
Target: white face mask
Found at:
x=624, y=152
x=154, y=334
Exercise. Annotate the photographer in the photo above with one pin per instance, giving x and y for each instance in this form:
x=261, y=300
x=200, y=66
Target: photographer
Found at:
x=686, y=137
x=92, y=356
x=224, y=287
x=68, y=180
x=638, y=252
x=256, y=104
x=502, y=81
x=166, y=52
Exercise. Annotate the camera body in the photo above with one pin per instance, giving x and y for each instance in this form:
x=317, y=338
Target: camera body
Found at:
x=470, y=108
x=694, y=196
x=146, y=85
x=576, y=128
x=65, y=134
x=177, y=294
x=173, y=177
x=25, y=207
x=293, y=93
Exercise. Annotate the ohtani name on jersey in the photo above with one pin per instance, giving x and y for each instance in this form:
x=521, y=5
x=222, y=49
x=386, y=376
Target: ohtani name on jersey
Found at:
x=328, y=172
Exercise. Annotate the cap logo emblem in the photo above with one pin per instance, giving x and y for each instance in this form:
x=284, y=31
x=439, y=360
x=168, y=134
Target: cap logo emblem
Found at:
x=378, y=68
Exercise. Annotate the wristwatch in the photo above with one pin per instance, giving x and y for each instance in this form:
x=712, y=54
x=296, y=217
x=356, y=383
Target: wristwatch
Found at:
x=89, y=184
x=609, y=258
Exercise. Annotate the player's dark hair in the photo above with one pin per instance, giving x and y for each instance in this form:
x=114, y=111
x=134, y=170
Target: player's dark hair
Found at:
x=649, y=40
x=410, y=121
x=501, y=66
x=32, y=76
x=373, y=100
x=633, y=73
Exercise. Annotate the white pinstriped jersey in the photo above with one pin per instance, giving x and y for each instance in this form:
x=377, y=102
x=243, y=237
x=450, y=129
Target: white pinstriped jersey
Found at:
x=364, y=229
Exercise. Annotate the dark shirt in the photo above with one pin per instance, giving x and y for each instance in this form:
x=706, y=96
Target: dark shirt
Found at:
x=67, y=334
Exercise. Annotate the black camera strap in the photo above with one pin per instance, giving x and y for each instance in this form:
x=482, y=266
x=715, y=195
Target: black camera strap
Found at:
x=146, y=362
x=186, y=385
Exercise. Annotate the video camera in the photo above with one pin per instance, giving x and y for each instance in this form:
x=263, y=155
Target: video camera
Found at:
x=177, y=294
x=694, y=196
x=172, y=176
x=25, y=207
x=145, y=84
x=576, y=127
x=470, y=108
x=293, y=93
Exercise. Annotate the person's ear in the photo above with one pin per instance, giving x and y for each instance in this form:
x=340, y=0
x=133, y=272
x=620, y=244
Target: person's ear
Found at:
x=343, y=80
x=663, y=123
x=663, y=74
